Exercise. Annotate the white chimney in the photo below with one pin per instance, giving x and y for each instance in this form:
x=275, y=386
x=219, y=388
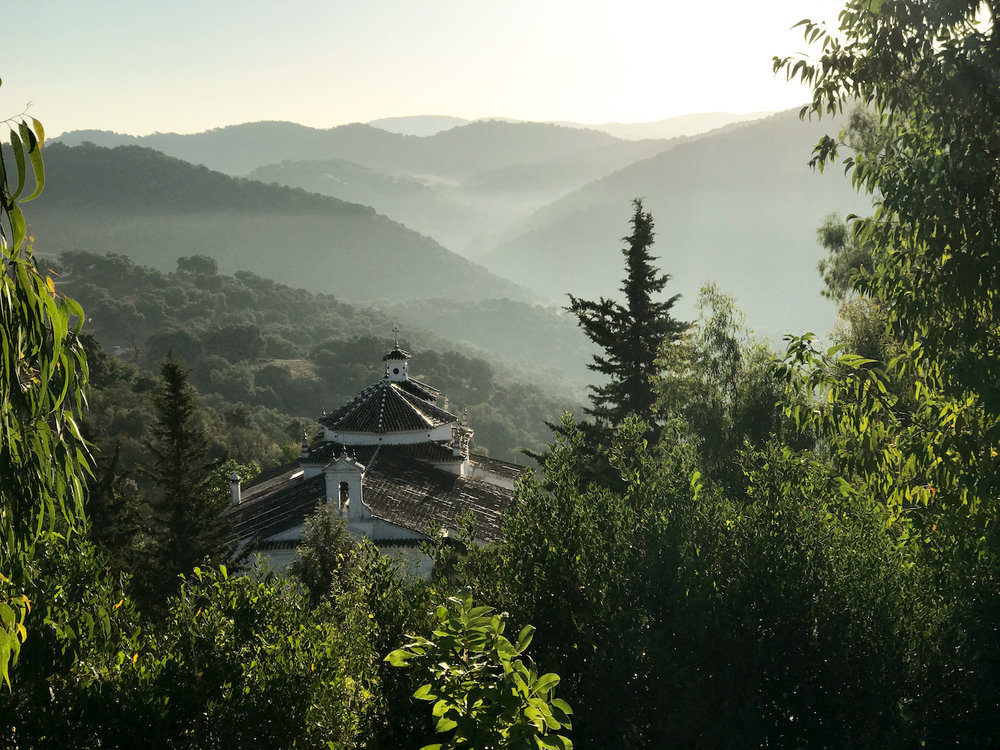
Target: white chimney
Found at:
x=234, y=488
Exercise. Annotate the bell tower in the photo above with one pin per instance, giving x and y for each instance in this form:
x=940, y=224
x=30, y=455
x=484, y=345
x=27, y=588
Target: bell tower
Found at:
x=344, y=486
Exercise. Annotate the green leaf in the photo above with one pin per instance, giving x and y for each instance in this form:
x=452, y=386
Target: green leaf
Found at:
x=399, y=658
x=524, y=638
x=18, y=227
x=18, y=149
x=35, y=156
x=423, y=693
x=562, y=706
x=445, y=725
x=39, y=131
x=546, y=682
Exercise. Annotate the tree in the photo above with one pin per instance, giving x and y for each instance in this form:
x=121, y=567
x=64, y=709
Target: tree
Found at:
x=631, y=334
x=43, y=457
x=197, y=265
x=847, y=258
x=325, y=553
x=721, y=383
x=928, y=74
x=186, y=506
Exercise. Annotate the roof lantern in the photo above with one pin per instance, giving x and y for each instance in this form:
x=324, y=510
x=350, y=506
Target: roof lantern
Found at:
x=395, y=361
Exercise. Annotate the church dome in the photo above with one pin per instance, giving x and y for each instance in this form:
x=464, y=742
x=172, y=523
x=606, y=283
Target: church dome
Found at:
x=386, y=407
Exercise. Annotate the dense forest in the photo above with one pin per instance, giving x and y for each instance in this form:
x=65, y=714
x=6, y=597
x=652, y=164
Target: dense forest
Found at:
x=729, y=547
x=273, y=356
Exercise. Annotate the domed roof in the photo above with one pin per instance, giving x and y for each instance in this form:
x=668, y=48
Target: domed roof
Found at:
x=387, y=406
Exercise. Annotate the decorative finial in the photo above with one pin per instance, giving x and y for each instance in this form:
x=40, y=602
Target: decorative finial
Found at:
x=395, y=334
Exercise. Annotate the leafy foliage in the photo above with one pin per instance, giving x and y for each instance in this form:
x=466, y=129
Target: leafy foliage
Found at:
x=43, y=457
x=919, y=431
x=928, y=74
x=722, y=384
x=485, y=691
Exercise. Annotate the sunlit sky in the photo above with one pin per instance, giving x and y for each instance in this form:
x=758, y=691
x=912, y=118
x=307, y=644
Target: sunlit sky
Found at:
x=140, y=66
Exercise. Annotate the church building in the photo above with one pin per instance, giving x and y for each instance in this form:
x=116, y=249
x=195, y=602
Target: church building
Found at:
x=396, y=465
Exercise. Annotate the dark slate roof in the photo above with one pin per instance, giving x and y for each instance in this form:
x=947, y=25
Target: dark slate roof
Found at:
x=279, y=503
x=420, y=390
x=384, y=407
x=434, y=453
x=398, y=488
x=324, y=452
x=417, y=496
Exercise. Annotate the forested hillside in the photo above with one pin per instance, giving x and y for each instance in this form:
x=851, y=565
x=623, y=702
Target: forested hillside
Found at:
x=251, y=341
x=156, y=209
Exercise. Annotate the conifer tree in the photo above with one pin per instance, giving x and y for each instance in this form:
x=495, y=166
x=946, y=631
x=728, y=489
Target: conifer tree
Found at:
x=630, y=335
x=186, y=507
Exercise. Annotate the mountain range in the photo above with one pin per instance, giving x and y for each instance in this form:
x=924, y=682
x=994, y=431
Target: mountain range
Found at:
x=541, y=205
x=155, y=208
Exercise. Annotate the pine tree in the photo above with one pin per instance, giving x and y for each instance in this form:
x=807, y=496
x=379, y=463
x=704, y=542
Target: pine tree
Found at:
x=186, y=507
x=630, y=335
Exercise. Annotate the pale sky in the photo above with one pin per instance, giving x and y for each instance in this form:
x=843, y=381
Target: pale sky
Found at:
x=139, y=66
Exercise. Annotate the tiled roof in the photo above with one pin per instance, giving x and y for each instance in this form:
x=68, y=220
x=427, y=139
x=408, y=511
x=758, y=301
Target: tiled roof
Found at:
x=398, y=488
x=420, y=390
x=384, y=407
x=434, y=453
x=417, y=496
x=323, y=453
x=280, y=503
x=498, y=467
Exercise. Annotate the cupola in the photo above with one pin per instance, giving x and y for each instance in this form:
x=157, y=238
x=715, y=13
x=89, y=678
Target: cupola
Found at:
x=395, y=364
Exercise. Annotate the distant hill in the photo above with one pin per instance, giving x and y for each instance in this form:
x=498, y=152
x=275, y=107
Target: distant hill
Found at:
x=154, y=208
x=466, y=186
x=421, y=125
x=673, y=127
x=739, y=207
x=543, y=345
x=253, y=345
x=238, y=149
